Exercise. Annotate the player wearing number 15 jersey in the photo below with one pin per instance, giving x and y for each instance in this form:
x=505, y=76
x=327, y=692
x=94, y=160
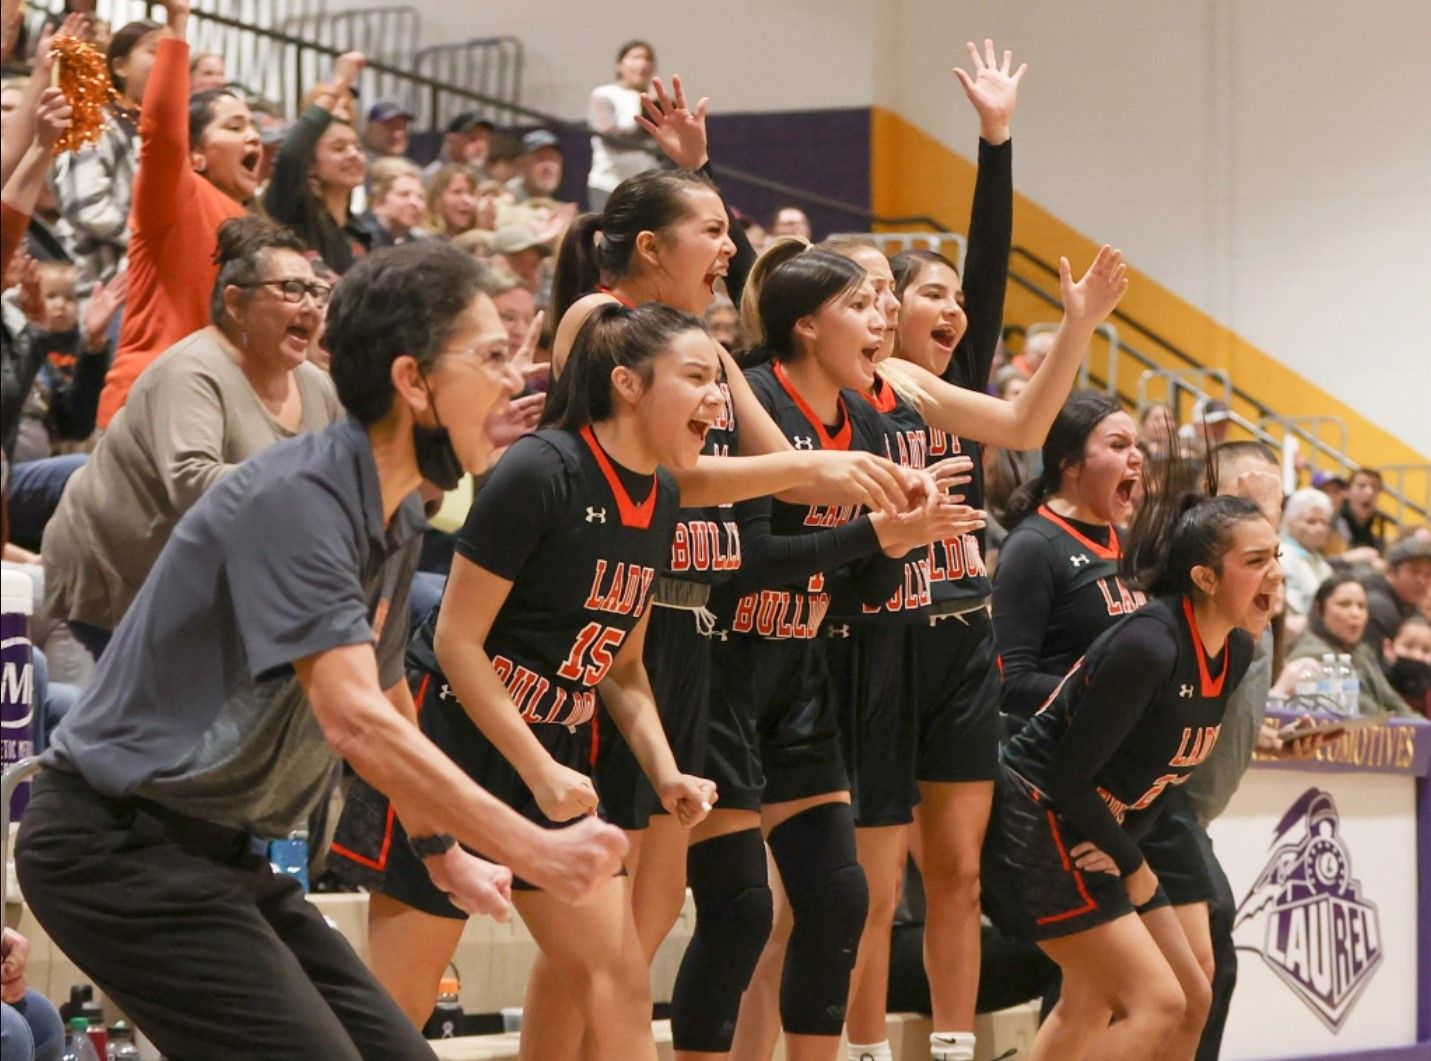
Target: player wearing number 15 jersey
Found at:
x=549, y=599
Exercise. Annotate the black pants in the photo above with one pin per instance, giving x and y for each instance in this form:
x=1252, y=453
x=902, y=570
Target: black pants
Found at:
x=1221, y=910
x=194, y=937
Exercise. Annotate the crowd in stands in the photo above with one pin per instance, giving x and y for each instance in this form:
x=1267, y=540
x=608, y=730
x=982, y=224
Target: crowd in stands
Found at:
x=163, y=314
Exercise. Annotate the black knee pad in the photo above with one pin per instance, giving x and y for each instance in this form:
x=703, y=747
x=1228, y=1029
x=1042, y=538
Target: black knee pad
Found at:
x=727, y=875
x=829, y=898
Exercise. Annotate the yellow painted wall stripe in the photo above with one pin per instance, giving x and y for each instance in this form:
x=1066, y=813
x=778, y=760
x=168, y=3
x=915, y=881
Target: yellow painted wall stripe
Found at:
x=912, y=173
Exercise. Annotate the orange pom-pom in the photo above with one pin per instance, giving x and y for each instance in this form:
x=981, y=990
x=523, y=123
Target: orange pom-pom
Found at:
x=83, y=76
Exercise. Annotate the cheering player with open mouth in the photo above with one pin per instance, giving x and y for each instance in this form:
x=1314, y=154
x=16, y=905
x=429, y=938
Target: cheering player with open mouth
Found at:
x=1081, y=781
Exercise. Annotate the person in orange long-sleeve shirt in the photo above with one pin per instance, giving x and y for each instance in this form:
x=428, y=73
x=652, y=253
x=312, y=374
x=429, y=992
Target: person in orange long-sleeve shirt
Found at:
x=198, y=166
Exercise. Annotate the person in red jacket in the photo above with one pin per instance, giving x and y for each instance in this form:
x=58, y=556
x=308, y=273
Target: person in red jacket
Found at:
x=198, y=166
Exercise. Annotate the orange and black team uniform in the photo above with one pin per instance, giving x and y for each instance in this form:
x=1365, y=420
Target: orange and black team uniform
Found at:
x=581, y=539
x=955, y=682
x=868, y=658
x=1132, y=718
x=1057, y=589
x=774, y=731
x=705, y=550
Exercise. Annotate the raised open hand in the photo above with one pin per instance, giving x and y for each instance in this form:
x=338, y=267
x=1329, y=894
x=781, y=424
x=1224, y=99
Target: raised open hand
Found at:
x=679, y=131
x=993, y=90
x=1091, y=299
x=104, y=302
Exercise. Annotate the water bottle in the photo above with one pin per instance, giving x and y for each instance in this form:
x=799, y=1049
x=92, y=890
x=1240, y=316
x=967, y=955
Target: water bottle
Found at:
x=17, y=679
x=446, y=1019
x=122, y=1046
x=1328, y=690
x=77, y=1044
x=1351, y=685
x=1307, y=680
x=290, y=856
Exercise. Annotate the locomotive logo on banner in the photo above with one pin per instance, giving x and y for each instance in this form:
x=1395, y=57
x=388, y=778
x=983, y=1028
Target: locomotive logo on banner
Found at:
x=1305, y=914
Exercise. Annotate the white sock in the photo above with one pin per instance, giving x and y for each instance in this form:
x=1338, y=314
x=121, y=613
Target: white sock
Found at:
x=871, y=1052
x=951, y=1046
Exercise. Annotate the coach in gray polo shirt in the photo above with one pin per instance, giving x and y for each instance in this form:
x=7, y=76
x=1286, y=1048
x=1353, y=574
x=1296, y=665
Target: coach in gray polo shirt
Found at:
x=266, y=643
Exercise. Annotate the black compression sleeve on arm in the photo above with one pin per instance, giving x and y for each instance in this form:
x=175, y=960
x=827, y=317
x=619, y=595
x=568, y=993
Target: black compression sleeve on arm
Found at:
x=1024, y=588
x=768, y=559
x=986, y=267
x=1127, y=678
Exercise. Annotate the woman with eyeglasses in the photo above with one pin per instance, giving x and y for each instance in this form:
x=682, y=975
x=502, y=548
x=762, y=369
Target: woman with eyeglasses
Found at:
x=208, y=402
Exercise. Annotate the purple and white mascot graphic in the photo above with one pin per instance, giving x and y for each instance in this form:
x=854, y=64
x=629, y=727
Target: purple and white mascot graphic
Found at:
x=1305, y=914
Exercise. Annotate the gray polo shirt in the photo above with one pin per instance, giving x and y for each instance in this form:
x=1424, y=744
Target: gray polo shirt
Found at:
x=194, y=704
x=1212, y=784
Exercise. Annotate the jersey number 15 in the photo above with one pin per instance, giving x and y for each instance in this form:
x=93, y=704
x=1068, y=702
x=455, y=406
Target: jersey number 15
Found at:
x=592, y=654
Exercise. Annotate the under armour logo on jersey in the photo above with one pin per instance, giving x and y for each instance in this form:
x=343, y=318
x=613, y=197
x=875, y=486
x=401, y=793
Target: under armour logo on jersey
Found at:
x=446, y=693
x=719, y=635
x=1079, y=560
x=595, y=515
x=804, y=441
x=843, y=630
x=1186, y=692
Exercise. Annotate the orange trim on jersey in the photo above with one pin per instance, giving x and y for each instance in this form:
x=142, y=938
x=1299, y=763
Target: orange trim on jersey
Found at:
x=422, y=691
x=1088, y=902
x=1112, y=551
x=1210, y=686
x=632, y=514
x=841, y=438
x=882, y=397
x=617, y=295
x=381, y=864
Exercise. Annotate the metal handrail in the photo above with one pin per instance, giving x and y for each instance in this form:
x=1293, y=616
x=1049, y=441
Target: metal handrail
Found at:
x=17, y=772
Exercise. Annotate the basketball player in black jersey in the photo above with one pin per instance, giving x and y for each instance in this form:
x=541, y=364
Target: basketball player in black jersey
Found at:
x=548, y=600
x=667, y=237
x=1058, y=585
x=774, y=747
x=1083, y=779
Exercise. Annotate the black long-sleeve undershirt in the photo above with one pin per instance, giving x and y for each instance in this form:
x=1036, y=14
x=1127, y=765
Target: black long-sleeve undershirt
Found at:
x=1125, y=683
x=768, y=559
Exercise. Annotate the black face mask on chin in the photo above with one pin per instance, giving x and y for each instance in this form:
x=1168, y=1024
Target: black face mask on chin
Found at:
x=1410, y=677
x=436, y=459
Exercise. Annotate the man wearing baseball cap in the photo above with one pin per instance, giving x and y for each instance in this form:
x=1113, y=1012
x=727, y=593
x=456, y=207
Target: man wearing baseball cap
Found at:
x=1404, y=589
x=466, y=141
x=539, y=167
x=385, y=135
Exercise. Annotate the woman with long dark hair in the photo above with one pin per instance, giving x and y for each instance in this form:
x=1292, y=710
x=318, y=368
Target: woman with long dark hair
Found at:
x=1082, y=781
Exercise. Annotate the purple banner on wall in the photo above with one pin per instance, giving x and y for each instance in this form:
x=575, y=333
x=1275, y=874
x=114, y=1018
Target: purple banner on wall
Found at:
x=17, y=700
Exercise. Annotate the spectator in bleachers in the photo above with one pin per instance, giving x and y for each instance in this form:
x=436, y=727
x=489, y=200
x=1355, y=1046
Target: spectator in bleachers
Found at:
x=492, y=199
x=210, y=401
x=526, y=255
x=395, y=203
x=451, y=202
x=1336, y=626
x=501, y=164
x=1038, y=341
x=95, y=186
x=385, y=134
x=515, y=305
x=30, y=1026
x=465, y=142
x=539, y=167
x=1406, y=659
x=1359, y=526
x=198, y=165
x=206, y=71
x=1306, y=528
x=1211, y=420
x=1404, y=590
x=1157, y=428
x=619, y=146
x=319, y=166
x=1334, y=486
x=723, y=322
x=791, y=221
